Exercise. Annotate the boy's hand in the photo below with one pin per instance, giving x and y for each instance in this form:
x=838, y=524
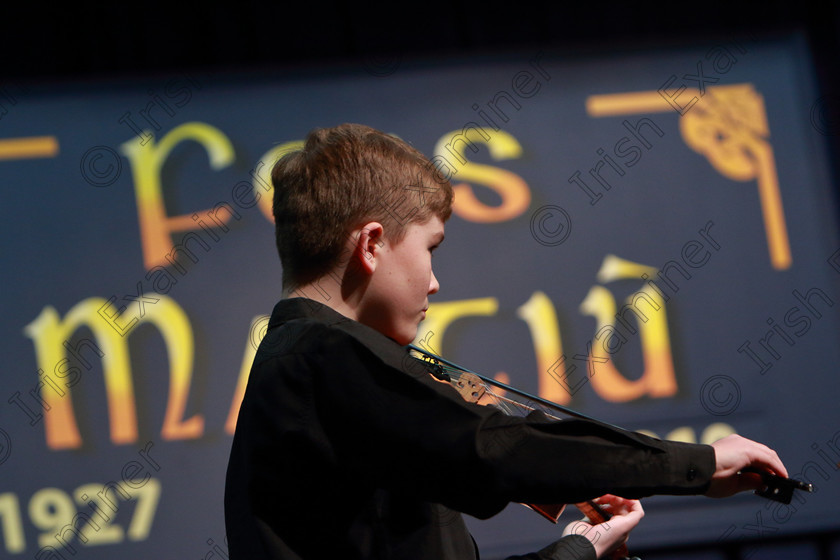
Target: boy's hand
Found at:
x=609, y=536
x=734, y=453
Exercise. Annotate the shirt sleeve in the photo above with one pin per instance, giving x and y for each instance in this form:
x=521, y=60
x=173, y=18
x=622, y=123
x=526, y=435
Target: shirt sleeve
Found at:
x=418, y=436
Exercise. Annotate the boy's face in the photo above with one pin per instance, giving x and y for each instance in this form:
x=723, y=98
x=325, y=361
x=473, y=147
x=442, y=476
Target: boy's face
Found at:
x=402, y=282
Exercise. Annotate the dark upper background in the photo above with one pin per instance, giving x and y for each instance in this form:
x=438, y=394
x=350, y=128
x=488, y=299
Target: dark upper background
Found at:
x=81, y=41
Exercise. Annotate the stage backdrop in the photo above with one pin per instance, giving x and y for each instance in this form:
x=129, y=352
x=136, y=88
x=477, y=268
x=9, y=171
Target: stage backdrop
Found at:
x=649, y=237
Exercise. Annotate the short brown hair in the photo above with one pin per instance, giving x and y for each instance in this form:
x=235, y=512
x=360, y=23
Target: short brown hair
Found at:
x=342, y=178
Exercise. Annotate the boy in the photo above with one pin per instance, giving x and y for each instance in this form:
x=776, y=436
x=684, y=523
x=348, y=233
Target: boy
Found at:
x=346, y=448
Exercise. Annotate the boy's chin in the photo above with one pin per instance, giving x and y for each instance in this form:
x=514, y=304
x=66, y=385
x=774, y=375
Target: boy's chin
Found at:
x=402, y=333
x=403, y=337
x=402, y=340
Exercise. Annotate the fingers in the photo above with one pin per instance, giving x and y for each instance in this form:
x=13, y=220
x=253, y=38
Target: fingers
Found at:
x=626, y=514
x=616, y=505
x=609, y=536
x=732, y=455
x=769, y=460
x=636, y=507
x=734, y=452
x=631, y=510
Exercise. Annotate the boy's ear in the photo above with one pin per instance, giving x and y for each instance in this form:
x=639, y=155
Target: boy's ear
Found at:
x=369, y=243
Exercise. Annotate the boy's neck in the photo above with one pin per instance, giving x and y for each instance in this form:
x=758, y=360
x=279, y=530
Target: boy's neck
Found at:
x=328, y=291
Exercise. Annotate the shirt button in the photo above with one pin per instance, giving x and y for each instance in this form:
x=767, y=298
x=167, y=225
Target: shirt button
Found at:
x=692, y=474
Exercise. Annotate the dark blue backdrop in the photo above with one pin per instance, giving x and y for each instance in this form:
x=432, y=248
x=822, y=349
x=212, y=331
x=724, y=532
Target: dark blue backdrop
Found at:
x=586, y=174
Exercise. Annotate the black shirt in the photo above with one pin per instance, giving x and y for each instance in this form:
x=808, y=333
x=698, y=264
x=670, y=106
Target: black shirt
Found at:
x=346, y=447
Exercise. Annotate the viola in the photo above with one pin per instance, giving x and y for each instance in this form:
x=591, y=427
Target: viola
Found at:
x=476, y=388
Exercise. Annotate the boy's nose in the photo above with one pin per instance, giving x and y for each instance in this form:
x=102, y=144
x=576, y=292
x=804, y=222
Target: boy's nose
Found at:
x=434, y=286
